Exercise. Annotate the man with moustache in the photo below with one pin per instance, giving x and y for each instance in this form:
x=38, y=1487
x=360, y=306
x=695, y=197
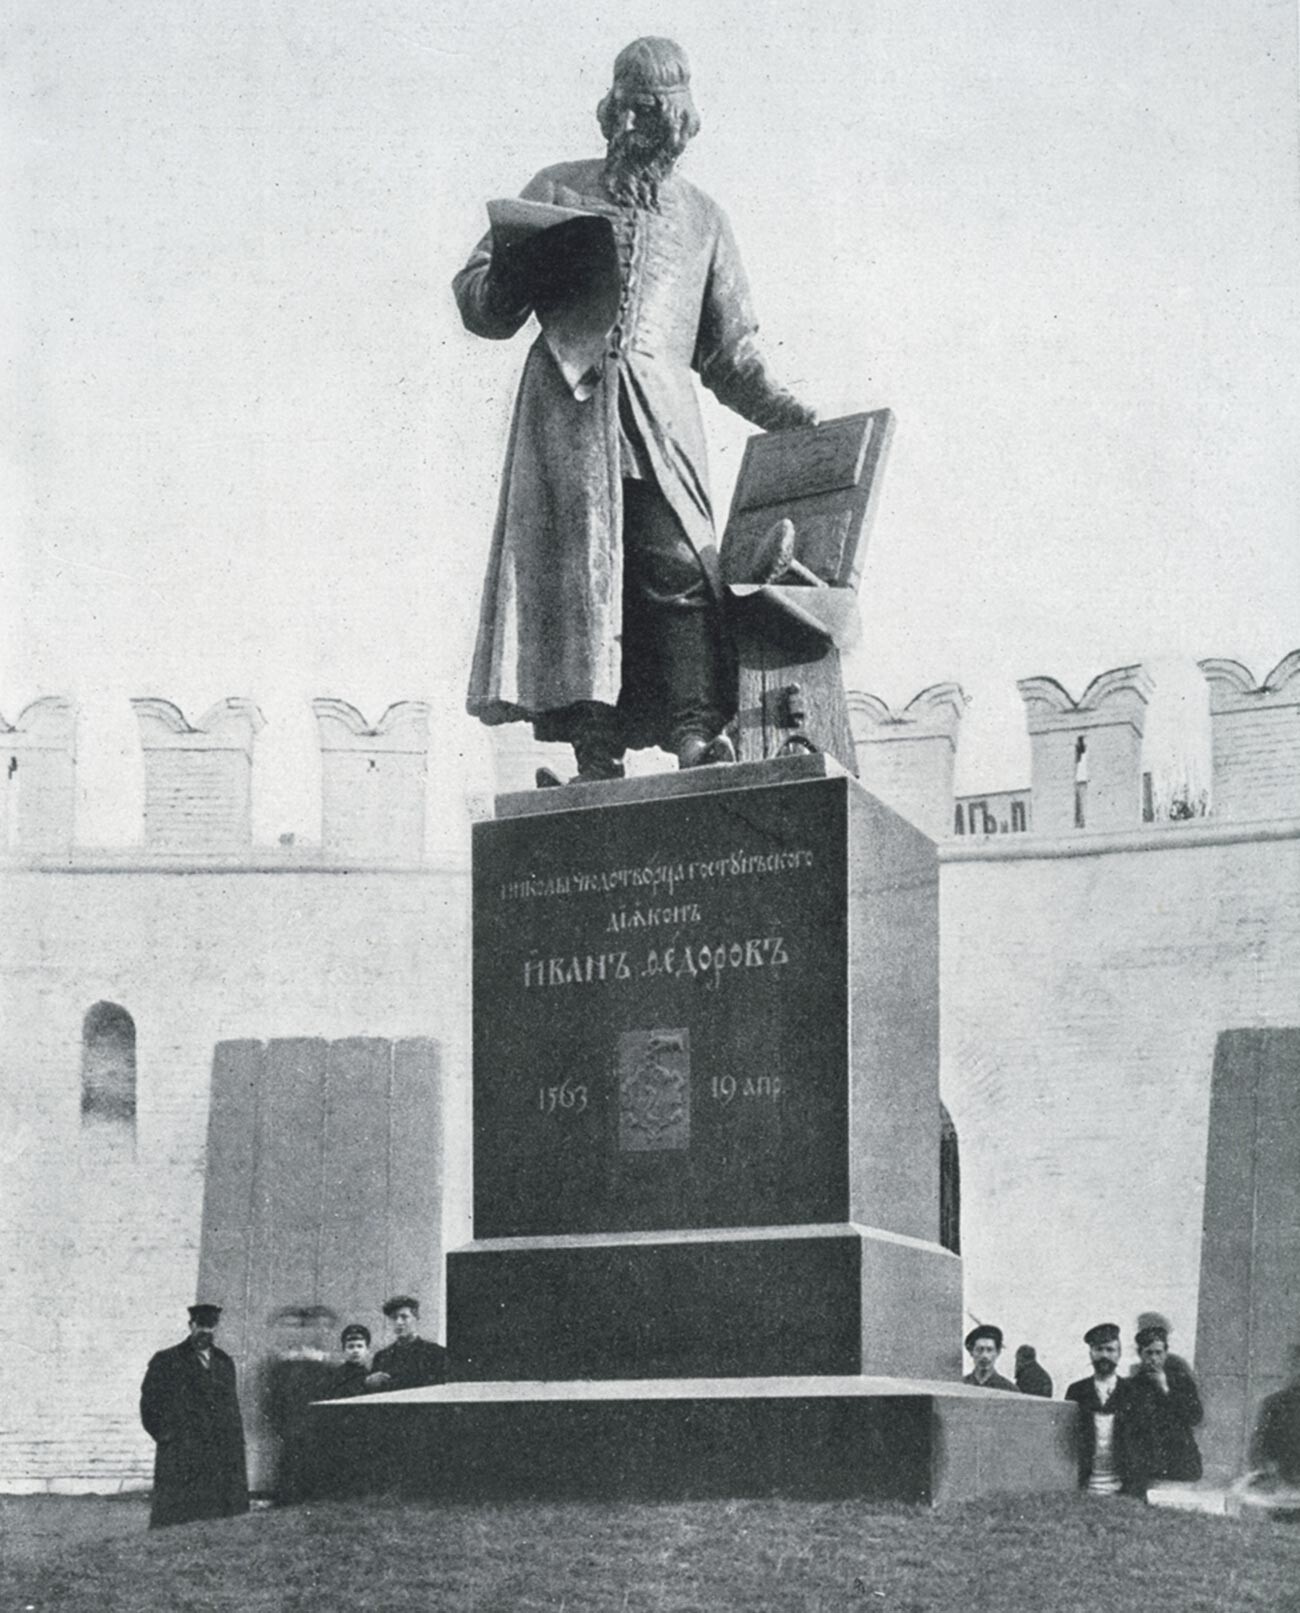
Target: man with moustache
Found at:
x=1105, y=1404
x=984, y=1346
x=190, y=1409
x=601, y=617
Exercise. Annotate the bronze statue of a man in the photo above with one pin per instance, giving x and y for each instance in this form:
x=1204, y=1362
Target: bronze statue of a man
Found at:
x=602, y=617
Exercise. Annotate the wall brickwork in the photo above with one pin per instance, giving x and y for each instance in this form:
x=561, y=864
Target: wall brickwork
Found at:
x=38, y=778
x=1085, y=980
x=201, y=939
x=1083, y=994
x=373, y=780
x=1097, y=738
x=198, y=781
x=105, y=1228
x=1255, y=739
x=907, y=758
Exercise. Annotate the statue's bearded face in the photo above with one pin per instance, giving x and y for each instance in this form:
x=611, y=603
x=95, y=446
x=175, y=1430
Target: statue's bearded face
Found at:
x=645, y=136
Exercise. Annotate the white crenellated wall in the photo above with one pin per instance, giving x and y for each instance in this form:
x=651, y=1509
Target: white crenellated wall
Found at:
x=200, y=937
x=373, y=780
x=1105, y=726
x=38, y=777
x=1255, y=739
x=1085, y=978
x=198, y=780
x=907, y=758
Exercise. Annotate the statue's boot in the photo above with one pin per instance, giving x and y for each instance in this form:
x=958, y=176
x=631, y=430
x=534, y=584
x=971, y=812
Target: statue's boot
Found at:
x=598, y=753
x=698, y=751
x=598, y=748
x=548, y=779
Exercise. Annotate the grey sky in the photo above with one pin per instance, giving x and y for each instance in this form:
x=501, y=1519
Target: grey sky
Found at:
x=252, y=452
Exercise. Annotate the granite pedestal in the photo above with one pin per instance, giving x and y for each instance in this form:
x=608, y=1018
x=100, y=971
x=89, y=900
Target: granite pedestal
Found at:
x=706, y=1108
x=706, y=1163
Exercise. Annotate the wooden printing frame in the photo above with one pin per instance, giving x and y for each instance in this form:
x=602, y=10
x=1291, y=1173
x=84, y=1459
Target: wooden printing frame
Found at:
x=824, y=478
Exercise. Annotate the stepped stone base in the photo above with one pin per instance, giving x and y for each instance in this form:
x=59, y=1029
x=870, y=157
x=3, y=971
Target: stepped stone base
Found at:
x=780, y=1301
x=880, y=1439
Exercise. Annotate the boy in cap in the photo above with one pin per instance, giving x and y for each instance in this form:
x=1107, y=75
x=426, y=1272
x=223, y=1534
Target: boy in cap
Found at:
x=984, y=1346
x=350, y=1378
x=190, y=1408
x=409, y=1362
x=1104, y=1400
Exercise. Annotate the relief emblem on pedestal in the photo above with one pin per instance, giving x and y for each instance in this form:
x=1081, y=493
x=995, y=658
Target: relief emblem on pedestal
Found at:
x=654, y=1090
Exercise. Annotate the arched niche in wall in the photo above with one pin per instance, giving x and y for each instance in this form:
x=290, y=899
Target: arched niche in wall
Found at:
x=108, y=1068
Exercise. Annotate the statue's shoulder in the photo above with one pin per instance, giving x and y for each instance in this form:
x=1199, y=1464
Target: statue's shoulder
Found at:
x=694, y=196
x=697, y=204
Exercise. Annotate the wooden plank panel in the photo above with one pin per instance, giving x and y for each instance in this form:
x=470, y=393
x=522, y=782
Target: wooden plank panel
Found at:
x=415, y=1204
x=238, y=1068
x=355, y=1174
x=1223, y=1312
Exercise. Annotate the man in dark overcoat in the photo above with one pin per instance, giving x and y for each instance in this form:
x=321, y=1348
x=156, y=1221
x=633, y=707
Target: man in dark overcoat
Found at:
x=190, y=1409
x=601, y=617
x=1166, y=1408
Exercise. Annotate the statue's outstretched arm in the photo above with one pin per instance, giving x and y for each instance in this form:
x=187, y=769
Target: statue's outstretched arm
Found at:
x=728, y=357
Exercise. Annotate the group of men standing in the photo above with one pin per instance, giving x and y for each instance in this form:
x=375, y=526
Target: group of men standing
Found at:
x=1132, y=1431
x=189, y=1405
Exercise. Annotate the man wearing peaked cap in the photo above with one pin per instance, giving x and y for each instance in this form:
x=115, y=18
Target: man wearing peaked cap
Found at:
x=189, y=1406
x=984, y=1345
x=1103, y=1426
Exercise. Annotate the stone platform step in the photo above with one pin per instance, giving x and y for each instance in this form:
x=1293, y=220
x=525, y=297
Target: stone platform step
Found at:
x=885, y=1439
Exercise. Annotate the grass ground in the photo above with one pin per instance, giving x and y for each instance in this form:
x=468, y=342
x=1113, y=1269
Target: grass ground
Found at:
x=1054, y=1554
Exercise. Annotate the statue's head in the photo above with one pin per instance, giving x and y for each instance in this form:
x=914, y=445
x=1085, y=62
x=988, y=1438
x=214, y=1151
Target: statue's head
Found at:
x=647, y=118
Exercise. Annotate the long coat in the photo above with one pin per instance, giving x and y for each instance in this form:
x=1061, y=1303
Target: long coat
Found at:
x=552, y=601
x=1161, y=1423
x=192, y=1413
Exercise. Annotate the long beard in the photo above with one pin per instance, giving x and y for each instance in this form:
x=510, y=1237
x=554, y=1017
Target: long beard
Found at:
x=635, y=170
